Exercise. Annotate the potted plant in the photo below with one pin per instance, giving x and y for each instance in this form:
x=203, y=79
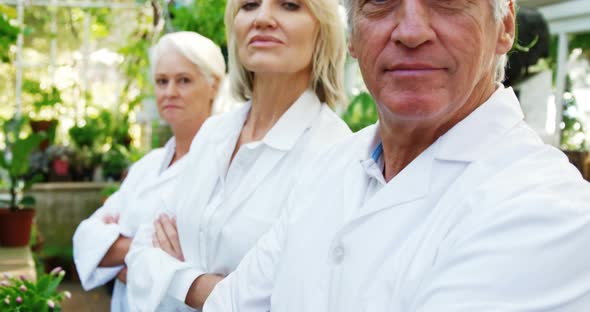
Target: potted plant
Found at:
x=43, y=99
x=24, y=295
x=115, y=162
x=16, y=217
x=60, y=158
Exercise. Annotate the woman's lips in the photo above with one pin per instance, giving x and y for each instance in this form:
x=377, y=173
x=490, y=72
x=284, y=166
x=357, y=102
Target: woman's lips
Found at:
x=264, y=41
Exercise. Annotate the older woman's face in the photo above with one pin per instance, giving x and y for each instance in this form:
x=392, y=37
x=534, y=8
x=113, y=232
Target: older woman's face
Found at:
x=183, y=94
x=275, y=36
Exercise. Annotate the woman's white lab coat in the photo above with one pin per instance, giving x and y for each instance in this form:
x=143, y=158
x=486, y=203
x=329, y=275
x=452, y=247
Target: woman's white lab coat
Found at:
x=145, y=189
x=222, y=209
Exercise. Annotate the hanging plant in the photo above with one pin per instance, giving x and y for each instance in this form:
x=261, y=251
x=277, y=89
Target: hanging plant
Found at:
x=8, y=32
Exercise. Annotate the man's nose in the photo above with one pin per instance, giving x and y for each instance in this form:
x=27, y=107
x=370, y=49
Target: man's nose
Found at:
x=413, y=27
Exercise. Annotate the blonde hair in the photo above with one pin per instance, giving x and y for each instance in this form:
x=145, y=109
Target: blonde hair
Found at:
x=328, y=58
x=201, y=51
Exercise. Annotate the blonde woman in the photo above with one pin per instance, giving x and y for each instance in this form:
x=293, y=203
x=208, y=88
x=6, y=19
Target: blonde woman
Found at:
x=287, y=62
x=187, y=68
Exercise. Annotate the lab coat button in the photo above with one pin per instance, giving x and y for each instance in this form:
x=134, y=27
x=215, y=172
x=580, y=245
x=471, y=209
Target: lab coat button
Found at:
x=338, y=254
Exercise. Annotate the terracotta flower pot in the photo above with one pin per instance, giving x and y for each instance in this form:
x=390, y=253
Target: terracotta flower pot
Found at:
x=15, y=227
x=47, y=126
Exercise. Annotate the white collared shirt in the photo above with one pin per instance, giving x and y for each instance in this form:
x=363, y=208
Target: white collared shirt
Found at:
x=487, y=218
x=223, y=209
x=145, y=190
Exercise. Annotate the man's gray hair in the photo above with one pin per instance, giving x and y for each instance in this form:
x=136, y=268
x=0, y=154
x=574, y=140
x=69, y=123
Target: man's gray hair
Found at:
x=501, y=9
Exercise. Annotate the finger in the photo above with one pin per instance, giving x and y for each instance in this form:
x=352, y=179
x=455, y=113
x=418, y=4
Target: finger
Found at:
x=107, y=218
x=116, y=218
x=162, y=239
x=155, y=241
x=171, y=233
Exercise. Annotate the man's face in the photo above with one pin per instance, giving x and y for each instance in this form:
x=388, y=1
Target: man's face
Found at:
x=426, y=61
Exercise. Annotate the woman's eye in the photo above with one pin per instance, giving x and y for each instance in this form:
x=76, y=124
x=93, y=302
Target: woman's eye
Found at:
x=161, y=82
x=291, y=6
x=184, y=80
x=249, y=6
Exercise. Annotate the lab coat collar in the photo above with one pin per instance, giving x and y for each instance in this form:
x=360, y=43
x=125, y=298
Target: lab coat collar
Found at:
x=293, y=123
x=469, y=140
x=232, y=123
x=286, y=131
x=165, y=172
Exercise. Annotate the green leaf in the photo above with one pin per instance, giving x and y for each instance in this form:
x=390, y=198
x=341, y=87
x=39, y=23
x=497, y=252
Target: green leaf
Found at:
x=21, y=149
x=28, y=201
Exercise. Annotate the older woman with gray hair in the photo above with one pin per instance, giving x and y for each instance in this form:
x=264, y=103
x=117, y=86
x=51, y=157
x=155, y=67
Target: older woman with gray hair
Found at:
x=286, y=60
x=187, y=69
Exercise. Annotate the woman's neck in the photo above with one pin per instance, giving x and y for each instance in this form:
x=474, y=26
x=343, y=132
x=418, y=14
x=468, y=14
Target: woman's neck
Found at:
x=184, y=136
x=273, y=95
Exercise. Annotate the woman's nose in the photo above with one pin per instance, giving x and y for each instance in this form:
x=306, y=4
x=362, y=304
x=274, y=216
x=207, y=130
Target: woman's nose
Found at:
x=265, y=17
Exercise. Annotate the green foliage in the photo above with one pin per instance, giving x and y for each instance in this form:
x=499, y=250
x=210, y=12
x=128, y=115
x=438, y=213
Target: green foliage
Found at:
x=109, y=190
x=24, y=295
x=115, y=161
x=204, y=17
x=361, y=112
x=41, y=98
x=8, y=32
x=15, y=159
x=87, y=135
x=104, y=129
x=573, y=137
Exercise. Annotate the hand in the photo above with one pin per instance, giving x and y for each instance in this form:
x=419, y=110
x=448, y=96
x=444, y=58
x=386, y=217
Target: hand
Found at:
x=166, y=236
x=200, y=290
x=122, y=276
x=110, y=219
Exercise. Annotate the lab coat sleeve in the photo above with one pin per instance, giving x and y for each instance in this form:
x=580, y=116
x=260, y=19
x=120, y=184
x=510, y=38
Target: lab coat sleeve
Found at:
x=526, y=255
x=249, y=287
x=153, y=274
x=92, y=240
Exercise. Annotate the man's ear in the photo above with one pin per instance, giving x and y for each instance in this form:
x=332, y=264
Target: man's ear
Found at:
x=351, y=48
x=508, y=30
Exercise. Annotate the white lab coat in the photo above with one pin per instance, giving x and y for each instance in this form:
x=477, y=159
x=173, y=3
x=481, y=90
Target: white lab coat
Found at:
x=147, y=185
x=486, y=219
x=222, y=210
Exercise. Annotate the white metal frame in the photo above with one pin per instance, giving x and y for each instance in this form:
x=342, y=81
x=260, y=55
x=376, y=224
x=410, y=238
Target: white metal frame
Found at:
x=565, y=17
x=20, y=64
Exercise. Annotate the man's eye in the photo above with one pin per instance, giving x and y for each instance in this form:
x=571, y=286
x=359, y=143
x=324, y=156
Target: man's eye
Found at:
x=378, y=7
x=377, y=2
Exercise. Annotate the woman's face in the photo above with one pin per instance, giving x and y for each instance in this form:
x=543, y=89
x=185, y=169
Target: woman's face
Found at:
x=183, y=94
x=275, y=36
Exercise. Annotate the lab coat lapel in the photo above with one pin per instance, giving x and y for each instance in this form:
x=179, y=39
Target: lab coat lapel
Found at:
x=155, y=178
x=213, y=155
x=467, y=142
x=280, y=140
x=256, y=174
x=209, y=156
x=410, y=185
